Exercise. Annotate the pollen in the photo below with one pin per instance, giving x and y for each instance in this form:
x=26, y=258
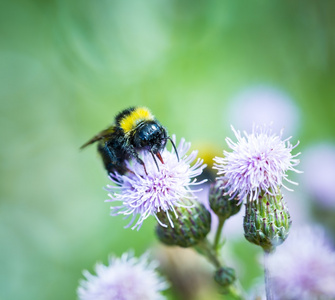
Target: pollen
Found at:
x=130, y=121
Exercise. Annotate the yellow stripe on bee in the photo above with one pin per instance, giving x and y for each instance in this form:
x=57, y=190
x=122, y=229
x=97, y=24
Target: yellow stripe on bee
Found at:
x=130, y=122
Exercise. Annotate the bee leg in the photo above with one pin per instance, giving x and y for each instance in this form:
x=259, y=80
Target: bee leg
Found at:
x=109, y=158
x=108, y=151
x=154, y=158
x=174, y=147
x=133, y=153
x=140, y=161
x=129, y=171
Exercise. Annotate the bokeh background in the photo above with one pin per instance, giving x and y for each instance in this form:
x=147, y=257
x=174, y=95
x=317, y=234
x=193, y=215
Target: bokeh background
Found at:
x=67, y=67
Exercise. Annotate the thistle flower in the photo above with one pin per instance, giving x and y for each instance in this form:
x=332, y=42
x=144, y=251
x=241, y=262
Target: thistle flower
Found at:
x=304, y=267
x=125, y=278
x=258, y=163
x=191, y=225
x=225, y=276
x=219, y=202
x=266, y=222
x=159, y=190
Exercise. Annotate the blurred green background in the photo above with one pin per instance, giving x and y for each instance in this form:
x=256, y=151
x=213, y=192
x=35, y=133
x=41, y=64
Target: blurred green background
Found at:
x=67, y=67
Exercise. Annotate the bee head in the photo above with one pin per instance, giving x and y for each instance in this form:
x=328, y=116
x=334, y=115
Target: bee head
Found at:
x=151, y=136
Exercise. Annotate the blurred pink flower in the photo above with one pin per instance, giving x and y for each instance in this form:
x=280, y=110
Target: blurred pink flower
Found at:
x=125, y=278
x=264, y=105
x=319, y=173
x=303, y=268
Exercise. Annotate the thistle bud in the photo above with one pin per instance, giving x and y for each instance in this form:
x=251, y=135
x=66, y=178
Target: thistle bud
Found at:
x=221, y=203
x=225, y=276
x=190, y=226
x=267, y=221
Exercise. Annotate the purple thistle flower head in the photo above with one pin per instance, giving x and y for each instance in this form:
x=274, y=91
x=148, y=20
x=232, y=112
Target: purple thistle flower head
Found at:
x=159, y=190
x=125, y=278
x=304, y=267
x=258, y=163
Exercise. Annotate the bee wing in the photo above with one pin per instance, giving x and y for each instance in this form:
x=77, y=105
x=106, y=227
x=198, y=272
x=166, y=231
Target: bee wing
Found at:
x=101, y=135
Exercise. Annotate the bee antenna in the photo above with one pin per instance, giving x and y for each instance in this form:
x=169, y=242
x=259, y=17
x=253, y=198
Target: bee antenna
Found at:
x=153, y=156
x=174, y=147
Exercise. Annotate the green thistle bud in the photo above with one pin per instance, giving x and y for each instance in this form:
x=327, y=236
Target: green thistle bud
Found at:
x=220, y=203
x=267, y=221
x=225, y=276
x=191, y=226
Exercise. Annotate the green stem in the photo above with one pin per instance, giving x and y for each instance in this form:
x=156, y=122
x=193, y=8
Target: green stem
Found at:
x=205, y=248
x=235, y=291
x=218, y=234
x=267, y=279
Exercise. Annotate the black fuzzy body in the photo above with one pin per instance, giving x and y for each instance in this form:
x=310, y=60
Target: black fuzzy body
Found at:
x=116, y=146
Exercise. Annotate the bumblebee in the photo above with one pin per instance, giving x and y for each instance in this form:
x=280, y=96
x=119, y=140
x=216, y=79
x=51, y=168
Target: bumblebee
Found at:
x=135, y=129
